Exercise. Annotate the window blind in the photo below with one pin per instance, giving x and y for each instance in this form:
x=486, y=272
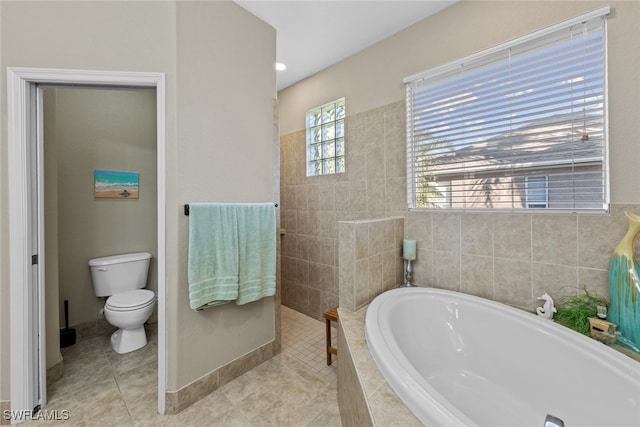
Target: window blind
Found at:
x=480, y=130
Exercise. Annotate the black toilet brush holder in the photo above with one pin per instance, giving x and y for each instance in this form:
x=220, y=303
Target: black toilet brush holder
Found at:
x=67, y=335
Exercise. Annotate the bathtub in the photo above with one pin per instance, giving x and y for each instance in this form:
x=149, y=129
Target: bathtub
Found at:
x=460, y=360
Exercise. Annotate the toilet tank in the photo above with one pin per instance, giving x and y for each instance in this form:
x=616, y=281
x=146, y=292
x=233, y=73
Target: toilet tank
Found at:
x=119, y=273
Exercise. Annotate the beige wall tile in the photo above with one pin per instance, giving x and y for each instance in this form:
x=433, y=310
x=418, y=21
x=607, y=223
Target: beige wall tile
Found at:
x=594, y=281
x=388, y=410
x=477, y=276
x=302, y=272
x=354, y=409
x=376, y=237
x=512, y=236
x=477, y=234
x=327, y=251
x=512, y=282
x=446, y=232
x=355, y=162
x=423, y=269
x=555, y=239
x=375, y=195
x=375, y=162
x=598, y=235
x=446, y=270
x=327, y=224
x=556, y=280
x=327, y=196
x=491, y=255
x=302, y=298
x=342, y=196
x=391, y=264
x=395, y=124
x=395, y=159
x=358, y=195
x=395, y=194
x=419, y=228
x=363, y=282
x=373, y=130
x=376, y=275
x=362, y=240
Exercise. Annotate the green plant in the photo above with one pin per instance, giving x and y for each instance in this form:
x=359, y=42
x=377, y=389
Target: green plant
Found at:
x=574, y=311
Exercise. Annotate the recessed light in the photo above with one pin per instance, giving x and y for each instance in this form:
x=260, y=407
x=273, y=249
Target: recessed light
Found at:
x=280, y=66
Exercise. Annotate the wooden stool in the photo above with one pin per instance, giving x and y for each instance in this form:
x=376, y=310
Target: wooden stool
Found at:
x=330, y=315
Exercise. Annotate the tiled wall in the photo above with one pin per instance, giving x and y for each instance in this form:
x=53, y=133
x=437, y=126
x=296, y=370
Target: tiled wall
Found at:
x=372, y=187
x=370, y=259
x=512, y=258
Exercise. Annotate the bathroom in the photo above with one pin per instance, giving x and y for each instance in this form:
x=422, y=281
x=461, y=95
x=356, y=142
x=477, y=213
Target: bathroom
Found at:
x=507, y=257
x=511, y=258
x=88, y=129
x=154, y=45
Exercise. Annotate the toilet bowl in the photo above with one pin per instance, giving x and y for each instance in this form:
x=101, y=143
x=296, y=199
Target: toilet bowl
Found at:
x=122, y=278
x=128, y=311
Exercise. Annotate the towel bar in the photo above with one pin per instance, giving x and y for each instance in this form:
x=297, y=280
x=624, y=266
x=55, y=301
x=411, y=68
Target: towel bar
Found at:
x=186, y=208
x=204, y=307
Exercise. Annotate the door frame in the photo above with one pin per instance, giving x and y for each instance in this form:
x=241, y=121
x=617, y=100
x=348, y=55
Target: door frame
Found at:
x=22, y=135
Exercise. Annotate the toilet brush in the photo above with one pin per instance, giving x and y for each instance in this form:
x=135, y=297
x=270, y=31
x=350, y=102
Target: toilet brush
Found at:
x=67, y=335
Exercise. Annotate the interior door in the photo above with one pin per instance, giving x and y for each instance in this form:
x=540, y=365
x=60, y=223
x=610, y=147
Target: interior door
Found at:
x=37, y=225
x=26, y=225
x=32, y=243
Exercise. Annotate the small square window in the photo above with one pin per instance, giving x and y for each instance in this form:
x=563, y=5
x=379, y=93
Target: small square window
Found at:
x=537, y=192
x=325, y=138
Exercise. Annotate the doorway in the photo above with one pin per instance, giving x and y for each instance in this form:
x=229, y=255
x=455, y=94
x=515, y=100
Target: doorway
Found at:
x=26, y=219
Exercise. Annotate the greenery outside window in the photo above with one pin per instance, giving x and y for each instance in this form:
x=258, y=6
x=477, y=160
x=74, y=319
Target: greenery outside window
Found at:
x=325, y=138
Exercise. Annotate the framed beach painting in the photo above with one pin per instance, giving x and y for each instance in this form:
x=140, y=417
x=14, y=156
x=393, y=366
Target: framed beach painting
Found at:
x=116, y=184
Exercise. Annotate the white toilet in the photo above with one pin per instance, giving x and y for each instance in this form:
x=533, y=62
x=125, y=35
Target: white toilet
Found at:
x=121, y=278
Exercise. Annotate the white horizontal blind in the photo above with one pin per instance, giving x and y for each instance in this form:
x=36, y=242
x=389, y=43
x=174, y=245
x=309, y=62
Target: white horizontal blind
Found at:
x=534, y=110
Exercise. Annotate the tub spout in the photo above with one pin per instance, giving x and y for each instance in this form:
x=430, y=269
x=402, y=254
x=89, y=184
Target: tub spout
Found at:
x=551, y=421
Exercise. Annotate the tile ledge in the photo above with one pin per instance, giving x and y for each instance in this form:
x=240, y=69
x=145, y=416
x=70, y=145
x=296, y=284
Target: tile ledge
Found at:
x=382, y=402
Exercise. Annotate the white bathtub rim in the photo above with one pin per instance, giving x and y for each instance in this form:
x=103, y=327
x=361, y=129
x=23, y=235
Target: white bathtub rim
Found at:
x=408, y=384
x=414, y=391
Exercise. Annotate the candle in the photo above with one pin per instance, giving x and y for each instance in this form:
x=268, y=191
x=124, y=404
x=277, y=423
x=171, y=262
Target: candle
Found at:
x=409, y=249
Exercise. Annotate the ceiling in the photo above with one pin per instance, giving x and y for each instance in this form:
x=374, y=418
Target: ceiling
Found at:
x=313, y=35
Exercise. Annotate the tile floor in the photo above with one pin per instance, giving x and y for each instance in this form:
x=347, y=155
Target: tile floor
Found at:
x=295, y=388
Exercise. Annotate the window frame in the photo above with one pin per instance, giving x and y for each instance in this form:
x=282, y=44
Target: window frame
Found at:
x=536, y=204
x=413, y=169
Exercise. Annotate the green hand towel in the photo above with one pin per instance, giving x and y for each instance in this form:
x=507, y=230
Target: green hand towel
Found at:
x=213, y=254
x=257, y=251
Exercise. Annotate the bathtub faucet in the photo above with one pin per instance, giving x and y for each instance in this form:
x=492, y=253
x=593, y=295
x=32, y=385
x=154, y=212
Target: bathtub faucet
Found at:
x=551, y=421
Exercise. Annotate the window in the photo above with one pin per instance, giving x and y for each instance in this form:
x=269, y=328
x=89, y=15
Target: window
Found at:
x=519, y=126
x=537, y=191
x=325, y=138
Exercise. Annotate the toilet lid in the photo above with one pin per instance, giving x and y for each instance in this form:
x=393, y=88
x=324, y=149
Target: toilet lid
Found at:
x=131, y=300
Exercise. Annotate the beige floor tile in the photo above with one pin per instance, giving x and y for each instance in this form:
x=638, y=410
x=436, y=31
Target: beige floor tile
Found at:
x=294, y=388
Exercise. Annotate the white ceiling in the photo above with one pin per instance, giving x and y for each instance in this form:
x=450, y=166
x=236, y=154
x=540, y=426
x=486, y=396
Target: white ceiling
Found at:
x=313, y=35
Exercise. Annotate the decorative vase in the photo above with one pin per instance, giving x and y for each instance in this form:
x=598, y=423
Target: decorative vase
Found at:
x=624, y=284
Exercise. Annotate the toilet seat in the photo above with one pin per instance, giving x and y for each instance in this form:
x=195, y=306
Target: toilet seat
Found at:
x=131, y=300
